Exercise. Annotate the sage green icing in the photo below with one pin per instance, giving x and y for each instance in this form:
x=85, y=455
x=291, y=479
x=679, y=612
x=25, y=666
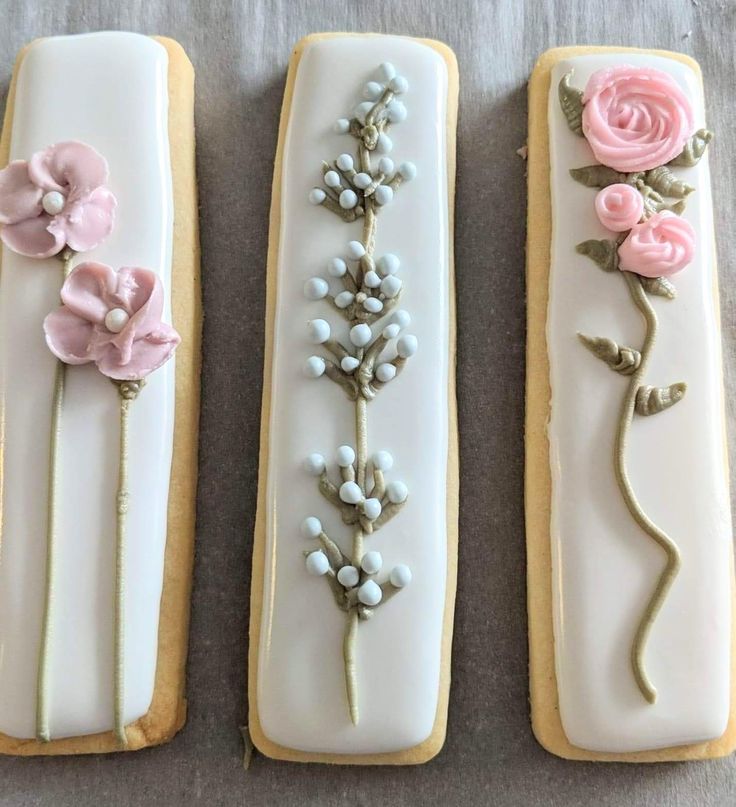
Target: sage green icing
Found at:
x=662, y=180
x=603, y=252
x=660, y=286
x=598, y=176
x=694, y=149
x=571, y=101
x=650, y=400
x=620, y=358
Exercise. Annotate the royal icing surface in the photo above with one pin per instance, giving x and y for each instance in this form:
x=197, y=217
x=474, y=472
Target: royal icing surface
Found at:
x=108, y=90
x=301, y=683
x=603, y=566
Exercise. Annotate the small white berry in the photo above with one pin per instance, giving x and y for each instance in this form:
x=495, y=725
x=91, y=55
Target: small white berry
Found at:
x=349, y=363
x=385, y=372
x=372, y=279
x=361, y=334
x=372, y=91
x=116, y=319
x=362, y=180
x=382, y=461
x=332, y=179
x=397, y=492
x=345, y=456
x=314, y=367
x=384, y=144
x=319, y=331
x=316, y=288
x=370, y=593
x=360, y=297
x=390, y=285
x=401, y=318
x=396, y=112
x=314, y=464
x=348, y=576
x=373, y=305
x=386, y=71
x=344, y=299
x=316, y=196
x=386, y=165
x=372, y=509
x=388, y=264
x=391, y=331
x=341, y=126
x=398, y=84
x=52, y=203
x=350, y=493
x=400, y=576
x=311, y=527
x=407, y=346
x=355, y=250
x=371, y=562
x=337, y=267
x=317, y=563
x=408, y=171
x=383, y=194
x=348, y=199
x=362, y=110
x=345, y=162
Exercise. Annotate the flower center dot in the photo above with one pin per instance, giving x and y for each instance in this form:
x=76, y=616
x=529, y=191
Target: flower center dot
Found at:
x=116, y=319
x=53, y=203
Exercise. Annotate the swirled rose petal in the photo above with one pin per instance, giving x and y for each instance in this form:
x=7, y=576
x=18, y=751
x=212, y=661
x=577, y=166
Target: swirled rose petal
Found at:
x=658, y=247
x=619, y=207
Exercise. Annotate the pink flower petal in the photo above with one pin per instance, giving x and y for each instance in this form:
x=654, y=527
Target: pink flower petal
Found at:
x=87, y=290
x=68, y=336
x=19, y=198
x=70, y=166
x=32, y=237
x=141, y=293
x=89, y=221
x=147, y=355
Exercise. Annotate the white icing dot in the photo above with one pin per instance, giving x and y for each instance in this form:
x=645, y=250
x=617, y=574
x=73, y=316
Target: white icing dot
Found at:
x=317, y=196
x=386, y=71
x=397, y=492
x=362, y=180
x=386, y=165
x=372, y=91
x=332, y=179
x=345, y=456
x=361, y=334
x=348, y=199
x=382, y=460
x=350, y=493
x=349, y=363
x=384, y=144
x=316, y=288
x=53, y=203
x=314, y=367
x=373, y=305
x=371, y=562
x=116, y=319
x=314, y=464
x=341, y=126
x=396, y=112
x=372, y=279
x=337, y=267
x=370, y=593
x=407, y=346
x=348, y=576
x=391, y=331
x=362, y=110
x=344, y=299
x=317, y=563
x=398, y=84
x=401, y=318
x=390, y=286
x=355, y=250
x=372, y=509
x=311, y=527
x=408, y=171
x=400, y=576
x=345, y=162
x=383, y=194
x=388, y=264
x=385, y=372
x=319, y=331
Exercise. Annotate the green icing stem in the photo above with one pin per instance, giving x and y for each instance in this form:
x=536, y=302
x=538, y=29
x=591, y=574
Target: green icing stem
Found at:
x=672, y=567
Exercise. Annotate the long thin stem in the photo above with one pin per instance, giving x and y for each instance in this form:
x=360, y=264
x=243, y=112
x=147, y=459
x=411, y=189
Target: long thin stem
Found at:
x=351, y=679
x=43, y=731
x=672, y=566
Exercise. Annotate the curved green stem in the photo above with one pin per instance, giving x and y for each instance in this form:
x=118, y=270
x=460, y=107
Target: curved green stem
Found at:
x=672, y=566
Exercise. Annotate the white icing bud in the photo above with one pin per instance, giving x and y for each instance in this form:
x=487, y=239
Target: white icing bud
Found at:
x=348, y=576
x=362, y=110
x=371, y=562
x=316, y=288
x=345, y=456
x=383, y=194
x=407, y=346
x=361, y=334
x=350, y=493
x=382, y=461
x=348, y=199
x=386, y=165
x=53, y=203
x=314, y=464
x=344, y=299
x=388, y=264
x=317, y=563
x=397, y=492
x=370, y=593
x=345, y=162
x=341, y=126
x=373, y=305
x=355, y=250
x=390, y=286
x=401, y=318
x=384, y=144
x=386, y=72
x=398, y=84
x=396, y=112
x=372, y=509
x=372, y=279
x=385, y=372
x=319, y=331
x=314, y=367
x=400, y=576
x=332, y=179
x=372, y=91
x=311, y=527
x=362, y=180
x=349, y=363
x=391, y=331
x=408, y=171
x=116, y=319
x=316, y=196
x=337, y=267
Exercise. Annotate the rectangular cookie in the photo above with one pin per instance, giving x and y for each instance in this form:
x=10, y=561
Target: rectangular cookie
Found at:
x=95, y=579
x=630, y=562
x=358, y=478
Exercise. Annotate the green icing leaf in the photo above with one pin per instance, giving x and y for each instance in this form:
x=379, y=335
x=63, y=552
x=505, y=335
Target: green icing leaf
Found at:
x=604, y=253
x=620, y=358
x=694, y=149
x=660, y=286
x=650, y=400
x=663, y=181
x=597, y=176
x=571, y=101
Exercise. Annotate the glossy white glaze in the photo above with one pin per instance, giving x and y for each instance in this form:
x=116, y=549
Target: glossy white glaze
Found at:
x=108, y=90
x=301, y=690
x=604, y=567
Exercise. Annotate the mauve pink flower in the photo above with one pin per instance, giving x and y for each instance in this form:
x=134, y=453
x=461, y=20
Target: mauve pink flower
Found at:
x=113, y=319
x=635, y=118
x=619, y=207
x=56, y=199
x=658, y=247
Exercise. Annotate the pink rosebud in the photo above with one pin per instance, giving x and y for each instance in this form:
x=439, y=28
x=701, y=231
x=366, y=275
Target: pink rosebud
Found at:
x=619, y=207
x=658, y=247
x=635, y=118
x=56, y=199
x=112, y=319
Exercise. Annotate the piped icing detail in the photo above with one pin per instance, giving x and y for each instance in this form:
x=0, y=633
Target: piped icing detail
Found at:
x=636, y=120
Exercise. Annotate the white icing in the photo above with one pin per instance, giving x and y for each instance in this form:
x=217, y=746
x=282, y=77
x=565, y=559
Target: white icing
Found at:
x=301, y=689
x=108, y=90
x=604, y=567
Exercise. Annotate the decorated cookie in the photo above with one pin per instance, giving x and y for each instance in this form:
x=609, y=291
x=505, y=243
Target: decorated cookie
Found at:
x=97, y=309
x=355, y=540
x=628, y=517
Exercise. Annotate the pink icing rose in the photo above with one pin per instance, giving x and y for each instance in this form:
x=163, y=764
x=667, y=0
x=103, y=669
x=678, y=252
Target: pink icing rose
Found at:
x=635, y=118
x=619, y=207
x=658, y=247
x=113, y=319
x=56, y=199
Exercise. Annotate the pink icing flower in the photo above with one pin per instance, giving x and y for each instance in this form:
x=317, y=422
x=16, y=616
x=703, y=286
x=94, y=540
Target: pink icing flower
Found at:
x=113, y=319
x=56, y=199
x=619, y=207
x=658, y=247
x=635, y=118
